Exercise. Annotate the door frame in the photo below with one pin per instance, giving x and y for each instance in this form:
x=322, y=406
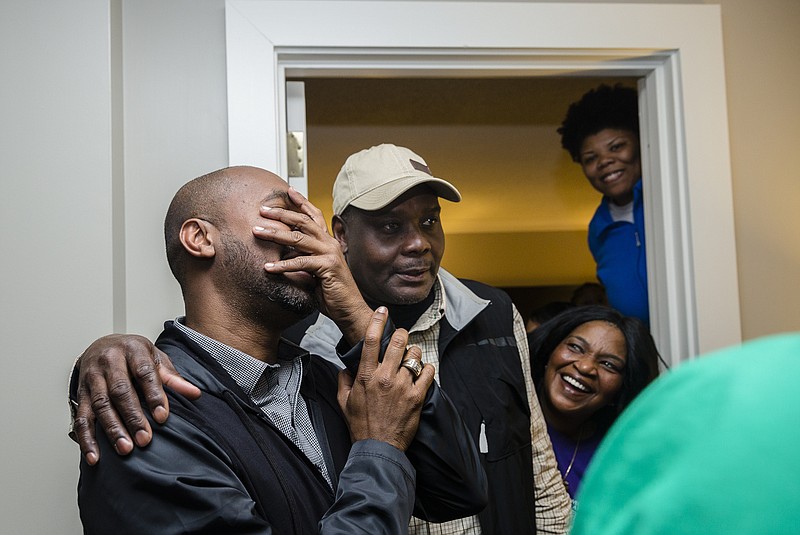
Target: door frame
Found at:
x=675, y=51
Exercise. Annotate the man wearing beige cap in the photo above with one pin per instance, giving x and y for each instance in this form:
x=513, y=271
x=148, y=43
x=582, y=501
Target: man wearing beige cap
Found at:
x=387, y=220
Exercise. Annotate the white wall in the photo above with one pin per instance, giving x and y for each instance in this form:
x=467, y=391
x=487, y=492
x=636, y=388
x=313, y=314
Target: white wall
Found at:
x=175, y=129
x=55, y=212
x=57, y=264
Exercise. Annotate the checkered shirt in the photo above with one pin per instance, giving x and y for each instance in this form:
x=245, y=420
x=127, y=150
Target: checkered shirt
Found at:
x=274, y=388
x=552, y=501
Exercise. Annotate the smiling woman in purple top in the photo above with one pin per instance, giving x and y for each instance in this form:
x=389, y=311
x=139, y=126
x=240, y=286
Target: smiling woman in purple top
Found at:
x=588, y=364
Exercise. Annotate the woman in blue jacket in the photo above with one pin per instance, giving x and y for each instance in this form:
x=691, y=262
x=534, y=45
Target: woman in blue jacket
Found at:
x=601, y=133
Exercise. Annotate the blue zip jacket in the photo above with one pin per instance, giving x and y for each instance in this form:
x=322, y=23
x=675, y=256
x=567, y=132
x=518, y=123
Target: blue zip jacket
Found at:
x=219, y=465
x=618, y=248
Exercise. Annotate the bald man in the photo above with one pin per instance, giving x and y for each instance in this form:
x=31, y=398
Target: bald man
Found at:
x=276, y=443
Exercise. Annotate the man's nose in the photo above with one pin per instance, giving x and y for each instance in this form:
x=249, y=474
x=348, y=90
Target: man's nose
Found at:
x=417, y=241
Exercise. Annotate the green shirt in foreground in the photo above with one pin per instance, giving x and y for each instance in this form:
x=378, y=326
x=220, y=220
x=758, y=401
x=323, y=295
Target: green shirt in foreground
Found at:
x=710, y=448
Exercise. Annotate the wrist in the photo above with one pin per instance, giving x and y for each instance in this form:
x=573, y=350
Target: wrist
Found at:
x=353, y=322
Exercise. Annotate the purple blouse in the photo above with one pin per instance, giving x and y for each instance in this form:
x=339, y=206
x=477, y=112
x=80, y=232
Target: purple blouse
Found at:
x=564, y=448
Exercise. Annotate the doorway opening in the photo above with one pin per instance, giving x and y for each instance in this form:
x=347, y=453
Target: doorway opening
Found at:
x=522, y=223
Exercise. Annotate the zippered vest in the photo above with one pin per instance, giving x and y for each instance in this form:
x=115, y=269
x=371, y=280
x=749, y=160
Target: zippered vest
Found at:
x=288, y=490
x=480, y=370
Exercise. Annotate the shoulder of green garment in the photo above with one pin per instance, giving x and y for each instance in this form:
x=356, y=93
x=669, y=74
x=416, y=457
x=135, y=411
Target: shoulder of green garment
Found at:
x=709, y=448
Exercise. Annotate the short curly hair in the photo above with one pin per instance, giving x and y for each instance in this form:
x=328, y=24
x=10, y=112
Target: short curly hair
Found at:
x=599, y=108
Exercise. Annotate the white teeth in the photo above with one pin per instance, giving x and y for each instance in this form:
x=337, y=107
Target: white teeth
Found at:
x=574, y=382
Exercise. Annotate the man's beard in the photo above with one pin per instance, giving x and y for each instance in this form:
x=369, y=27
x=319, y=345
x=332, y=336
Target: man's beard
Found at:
x=252, y=292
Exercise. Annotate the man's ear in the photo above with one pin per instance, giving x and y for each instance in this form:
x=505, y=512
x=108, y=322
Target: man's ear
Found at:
x=339, y=227
x=197, y=236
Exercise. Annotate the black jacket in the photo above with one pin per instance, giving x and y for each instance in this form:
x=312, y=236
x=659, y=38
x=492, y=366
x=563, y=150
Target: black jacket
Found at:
x=220, y=466
x=481, y=372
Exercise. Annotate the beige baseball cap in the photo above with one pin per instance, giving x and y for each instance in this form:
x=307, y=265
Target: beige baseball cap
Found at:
x=374, y=177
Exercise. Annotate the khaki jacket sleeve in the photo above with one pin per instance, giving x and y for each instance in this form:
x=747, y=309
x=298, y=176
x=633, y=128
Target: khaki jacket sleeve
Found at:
x=553, y=504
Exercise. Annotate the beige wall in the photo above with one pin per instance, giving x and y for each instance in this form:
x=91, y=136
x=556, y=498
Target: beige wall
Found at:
x=762, y=42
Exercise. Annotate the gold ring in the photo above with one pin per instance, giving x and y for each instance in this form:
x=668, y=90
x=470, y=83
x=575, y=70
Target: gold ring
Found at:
x=413, y=365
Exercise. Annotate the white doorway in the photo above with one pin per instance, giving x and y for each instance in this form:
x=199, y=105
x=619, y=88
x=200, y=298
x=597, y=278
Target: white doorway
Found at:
x=675, y=50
